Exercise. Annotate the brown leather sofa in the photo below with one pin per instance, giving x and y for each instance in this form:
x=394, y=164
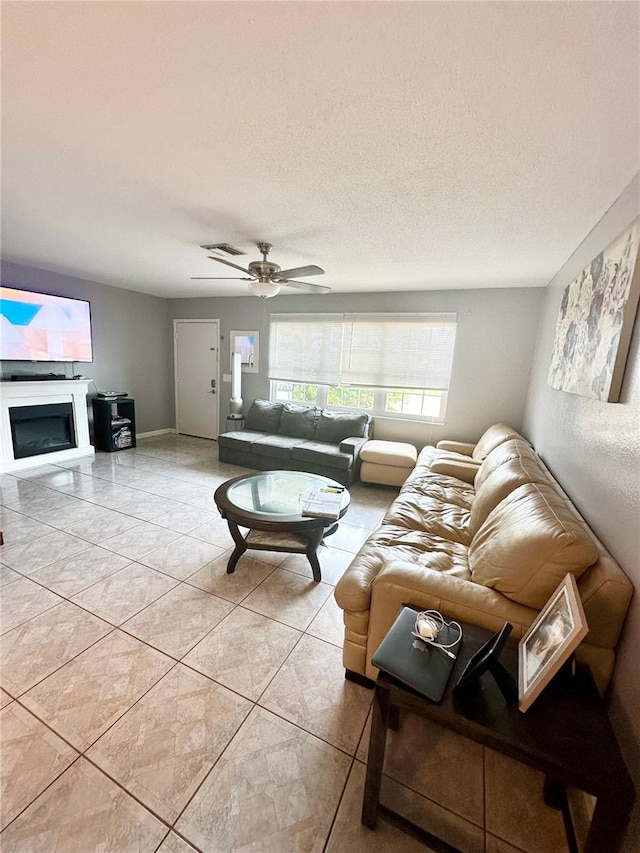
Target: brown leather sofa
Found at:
x=485, y=552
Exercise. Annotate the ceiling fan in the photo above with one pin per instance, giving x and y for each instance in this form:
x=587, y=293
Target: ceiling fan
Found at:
x=265, y=278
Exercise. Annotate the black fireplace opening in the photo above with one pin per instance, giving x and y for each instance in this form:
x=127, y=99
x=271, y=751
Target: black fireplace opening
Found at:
x=41, y=429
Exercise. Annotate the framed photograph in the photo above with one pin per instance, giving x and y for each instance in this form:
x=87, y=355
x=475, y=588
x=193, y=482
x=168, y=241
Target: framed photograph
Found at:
x=247, y=343
x=550, y=641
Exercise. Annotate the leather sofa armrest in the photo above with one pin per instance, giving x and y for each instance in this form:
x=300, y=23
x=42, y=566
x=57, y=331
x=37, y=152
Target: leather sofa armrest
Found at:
x=460, y=469
x=353, y=590
x=401, y=582
x=462, y=447
x=352, y=445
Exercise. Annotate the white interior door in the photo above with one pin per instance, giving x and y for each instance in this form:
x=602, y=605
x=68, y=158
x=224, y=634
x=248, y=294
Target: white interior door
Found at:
x=197, y=376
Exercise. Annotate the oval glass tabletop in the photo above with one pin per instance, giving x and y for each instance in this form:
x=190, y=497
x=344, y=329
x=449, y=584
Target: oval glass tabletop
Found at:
x=278, y=493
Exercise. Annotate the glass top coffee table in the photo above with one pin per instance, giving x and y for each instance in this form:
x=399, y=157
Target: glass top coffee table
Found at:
x=270, y=506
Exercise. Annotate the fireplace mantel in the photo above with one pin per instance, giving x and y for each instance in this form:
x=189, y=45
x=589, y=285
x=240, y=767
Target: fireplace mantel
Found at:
x=38, y=393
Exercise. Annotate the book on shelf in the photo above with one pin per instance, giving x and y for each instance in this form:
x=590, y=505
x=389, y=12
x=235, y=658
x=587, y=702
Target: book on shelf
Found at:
x=322, y=505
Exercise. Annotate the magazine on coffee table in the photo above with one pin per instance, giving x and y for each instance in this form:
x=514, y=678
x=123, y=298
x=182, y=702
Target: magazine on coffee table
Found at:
x=322, y=505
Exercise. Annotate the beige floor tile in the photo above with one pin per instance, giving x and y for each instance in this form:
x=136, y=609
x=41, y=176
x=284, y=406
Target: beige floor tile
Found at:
x=23, y=600
x=235, y=587
x=275, y=789
x=310, y=690
x=427, y=814
x=515, y=810
x=18, y=529
x=182, y=557
x=348, y=537
x=365, y=515
x=123, y=594
x=84, y=811
x=87, y=695
x=35, y=500
x=348, y=832
x=421, y=752
x=5, y=699
x=215, y=531
x=497, y=845
x=185, y=519
x=31, y=556
x=36, y=648
x=174, y=844
x=32, y=757
x=102, y=524
x=329, y=623
x=289, y=598
x=333, y=564
x=178, y=620
x=244, y=651
x=73, y=574
x=139, y=541
x=162, y=749
x=7, y=576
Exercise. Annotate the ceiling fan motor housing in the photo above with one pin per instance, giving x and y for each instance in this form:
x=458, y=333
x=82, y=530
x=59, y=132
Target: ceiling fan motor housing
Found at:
x=264, y=269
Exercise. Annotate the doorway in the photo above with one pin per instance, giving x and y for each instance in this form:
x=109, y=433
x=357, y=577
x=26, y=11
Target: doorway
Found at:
x=196, y=361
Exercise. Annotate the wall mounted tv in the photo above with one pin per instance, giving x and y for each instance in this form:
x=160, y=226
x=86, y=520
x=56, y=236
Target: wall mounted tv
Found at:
x=41, y=327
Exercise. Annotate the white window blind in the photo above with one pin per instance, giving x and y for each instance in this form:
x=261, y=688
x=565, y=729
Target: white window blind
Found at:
x=364, y=350
x=306, y=348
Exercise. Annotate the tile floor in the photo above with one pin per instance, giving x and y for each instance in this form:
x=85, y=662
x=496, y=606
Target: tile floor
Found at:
x=152, y=702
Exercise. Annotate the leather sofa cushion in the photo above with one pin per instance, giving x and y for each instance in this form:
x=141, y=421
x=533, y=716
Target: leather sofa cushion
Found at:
x=333, y=427
x=298, y=421
x=500, y=483
x=264, y=416
x=275, y=446
x=492, y=438
x=528, y=543
x=319, y=453
x=512, y=449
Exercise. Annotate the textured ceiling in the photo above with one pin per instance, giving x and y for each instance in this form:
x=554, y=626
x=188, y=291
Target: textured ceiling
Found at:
x=400, y=146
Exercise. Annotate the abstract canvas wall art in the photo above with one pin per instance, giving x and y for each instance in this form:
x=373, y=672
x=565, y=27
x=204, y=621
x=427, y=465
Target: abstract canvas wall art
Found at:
x=596, y=319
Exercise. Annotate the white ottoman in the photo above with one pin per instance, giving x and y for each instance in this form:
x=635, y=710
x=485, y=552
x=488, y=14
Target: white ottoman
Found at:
x=387, y=462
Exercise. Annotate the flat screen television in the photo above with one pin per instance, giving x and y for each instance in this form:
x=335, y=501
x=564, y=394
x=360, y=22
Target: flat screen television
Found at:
x=41, y=327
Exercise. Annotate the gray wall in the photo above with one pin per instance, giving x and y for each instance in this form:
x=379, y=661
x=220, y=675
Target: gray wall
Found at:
x=131, y=342
x=494, y=346
x=594, y=450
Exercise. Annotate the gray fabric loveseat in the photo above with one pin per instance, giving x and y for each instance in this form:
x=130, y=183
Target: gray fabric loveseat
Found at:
x=298, y=438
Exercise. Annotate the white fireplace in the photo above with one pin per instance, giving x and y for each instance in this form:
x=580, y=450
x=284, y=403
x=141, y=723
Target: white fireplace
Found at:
x=23, y=398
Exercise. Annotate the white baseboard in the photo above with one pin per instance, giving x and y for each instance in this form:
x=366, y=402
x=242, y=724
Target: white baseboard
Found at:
x=155, y=432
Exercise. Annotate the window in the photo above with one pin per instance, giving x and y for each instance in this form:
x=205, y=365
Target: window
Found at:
x=392, y=365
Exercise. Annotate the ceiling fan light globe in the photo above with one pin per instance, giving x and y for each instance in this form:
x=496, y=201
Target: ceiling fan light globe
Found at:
x=264, y=289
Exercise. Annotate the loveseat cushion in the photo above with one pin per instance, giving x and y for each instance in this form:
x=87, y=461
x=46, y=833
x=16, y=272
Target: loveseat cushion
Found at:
x=299, y=421
x=275, y=446
x=242, y=440
x=264, y=416
x=320, y=453
x=492, y=438
x=528, y=543
x=332, y=427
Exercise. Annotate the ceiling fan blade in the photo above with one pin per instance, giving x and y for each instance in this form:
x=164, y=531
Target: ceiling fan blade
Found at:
x=235, y=266
x=219, y=278
x=296, y=271
x=306, y=286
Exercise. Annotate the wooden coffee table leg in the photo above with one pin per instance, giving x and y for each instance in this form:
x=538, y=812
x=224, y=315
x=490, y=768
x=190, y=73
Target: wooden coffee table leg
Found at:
x=315, y=539
x=241, y=546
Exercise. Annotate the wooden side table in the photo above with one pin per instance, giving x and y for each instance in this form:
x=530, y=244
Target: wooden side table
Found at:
x=566, y=734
